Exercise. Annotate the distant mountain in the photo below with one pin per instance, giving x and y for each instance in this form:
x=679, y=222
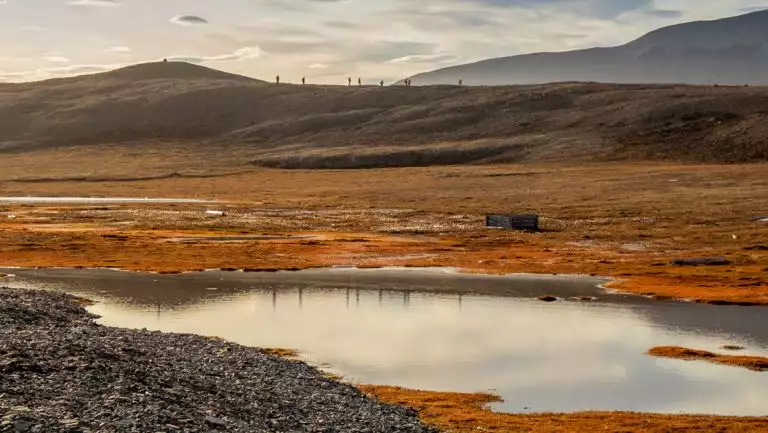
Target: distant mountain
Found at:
x=730, y=51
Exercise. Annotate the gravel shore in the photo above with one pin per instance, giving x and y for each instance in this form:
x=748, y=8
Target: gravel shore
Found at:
x=61, y=372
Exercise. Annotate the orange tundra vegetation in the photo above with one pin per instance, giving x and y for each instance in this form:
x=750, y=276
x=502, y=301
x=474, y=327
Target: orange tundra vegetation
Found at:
x=468, y=413
x=755, y=363
x=626, y=221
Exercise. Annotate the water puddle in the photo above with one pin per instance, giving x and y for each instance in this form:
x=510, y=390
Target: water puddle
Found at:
x=242, y=238
x=439, y=330
x=96, y=200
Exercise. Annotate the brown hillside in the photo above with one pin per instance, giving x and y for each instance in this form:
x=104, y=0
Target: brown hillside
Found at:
x=341, y=127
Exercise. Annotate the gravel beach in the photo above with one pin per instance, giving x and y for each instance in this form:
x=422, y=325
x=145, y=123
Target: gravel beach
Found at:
x=62, y=372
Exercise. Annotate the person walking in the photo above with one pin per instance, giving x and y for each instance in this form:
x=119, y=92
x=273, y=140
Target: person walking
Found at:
x=303, y=80
x=277, y=79
x=382, y=83
x=359, y=81
x=349, y=81
x=461, y=82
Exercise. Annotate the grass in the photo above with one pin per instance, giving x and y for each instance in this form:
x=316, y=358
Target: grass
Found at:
x=468, y=413
x=754, y=363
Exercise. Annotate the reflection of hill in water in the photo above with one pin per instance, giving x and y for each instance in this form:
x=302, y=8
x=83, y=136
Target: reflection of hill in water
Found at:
x=367, y=325
x=151, y=291
x=191, y=288
x=739, y=322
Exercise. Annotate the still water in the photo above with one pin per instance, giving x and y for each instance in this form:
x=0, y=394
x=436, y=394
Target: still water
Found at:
x=372, y=327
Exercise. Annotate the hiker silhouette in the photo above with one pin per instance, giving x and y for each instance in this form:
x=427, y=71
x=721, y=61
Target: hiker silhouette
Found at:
x=303, y=80
x=277, y=79
x=349, y=80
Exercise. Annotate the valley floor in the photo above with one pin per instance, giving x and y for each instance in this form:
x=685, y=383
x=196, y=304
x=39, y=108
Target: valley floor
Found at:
x=630, y=222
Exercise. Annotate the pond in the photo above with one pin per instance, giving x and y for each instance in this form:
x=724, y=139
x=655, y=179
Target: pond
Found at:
x=441, y=330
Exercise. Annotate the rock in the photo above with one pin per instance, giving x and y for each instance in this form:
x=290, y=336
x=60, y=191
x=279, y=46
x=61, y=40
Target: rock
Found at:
x=23, y=425
x=70, y=422
x=215, y=422
x=732, y=348
x=142, y=381
x=702, y=261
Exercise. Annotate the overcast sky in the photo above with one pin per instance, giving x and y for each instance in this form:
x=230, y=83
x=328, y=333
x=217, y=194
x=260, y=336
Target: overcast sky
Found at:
x=324, y=40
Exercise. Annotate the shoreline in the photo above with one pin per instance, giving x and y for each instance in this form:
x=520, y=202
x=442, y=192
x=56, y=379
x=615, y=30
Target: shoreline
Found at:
x=609, y=285
x=62, y=372
x=448, y=281
x=59, y=321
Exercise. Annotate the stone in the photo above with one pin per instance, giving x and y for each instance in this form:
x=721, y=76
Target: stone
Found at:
x=215, y=422
x=702, y=261
x=22, y=425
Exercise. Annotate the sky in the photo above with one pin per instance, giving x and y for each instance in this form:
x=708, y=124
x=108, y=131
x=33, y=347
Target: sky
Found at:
x=324, y=40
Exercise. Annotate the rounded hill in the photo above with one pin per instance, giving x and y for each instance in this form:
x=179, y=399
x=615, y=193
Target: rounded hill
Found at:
x=171, y=70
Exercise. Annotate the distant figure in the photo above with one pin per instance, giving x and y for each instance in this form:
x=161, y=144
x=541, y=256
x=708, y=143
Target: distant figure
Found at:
x=165, y=60
x=277, y=79
x=461, y=82
x=349, y=80
x=382, y=83
x=359, y=81
x=303, y=80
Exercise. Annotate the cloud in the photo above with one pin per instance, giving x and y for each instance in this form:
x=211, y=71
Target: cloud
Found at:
x=246, y=53
x=97, y=3
x=426, y=58
x=117, y=49
x=189, y=20
x=318, y=66
x=56, y=59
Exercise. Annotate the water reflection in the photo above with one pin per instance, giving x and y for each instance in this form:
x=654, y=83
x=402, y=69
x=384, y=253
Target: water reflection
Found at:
x=565, y=356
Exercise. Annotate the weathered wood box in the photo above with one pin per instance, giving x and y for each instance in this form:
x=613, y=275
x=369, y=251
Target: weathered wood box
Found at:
x=527, y=222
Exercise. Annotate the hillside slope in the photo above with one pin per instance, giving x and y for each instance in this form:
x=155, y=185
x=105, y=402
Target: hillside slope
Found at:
x=338, y=127
x=728, y=51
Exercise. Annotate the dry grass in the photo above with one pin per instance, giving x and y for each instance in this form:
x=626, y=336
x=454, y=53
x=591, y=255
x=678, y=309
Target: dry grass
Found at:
x=625, y=221
x=755, y=363
x=467, y=413
x=283, y=353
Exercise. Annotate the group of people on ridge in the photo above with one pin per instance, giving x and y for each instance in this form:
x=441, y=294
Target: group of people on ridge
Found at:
x=407, y=81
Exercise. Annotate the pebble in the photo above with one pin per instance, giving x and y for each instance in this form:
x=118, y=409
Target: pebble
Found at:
x=62, y=372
